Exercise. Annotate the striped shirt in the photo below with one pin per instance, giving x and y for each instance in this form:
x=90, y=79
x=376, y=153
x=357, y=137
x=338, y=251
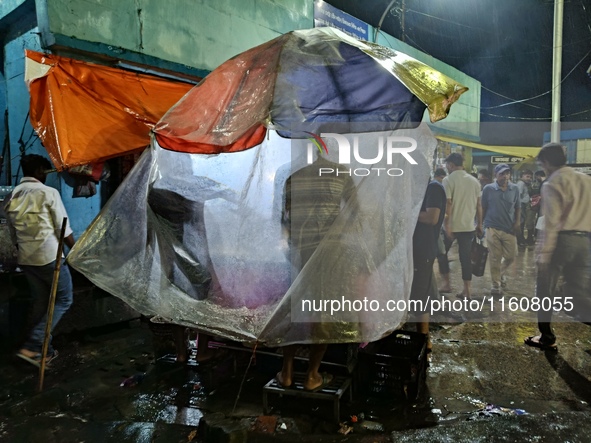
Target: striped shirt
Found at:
x=313, y=202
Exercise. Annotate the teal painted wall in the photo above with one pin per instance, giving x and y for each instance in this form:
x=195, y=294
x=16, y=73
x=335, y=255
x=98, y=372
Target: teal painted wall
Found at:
x=204, y=33
x=198, y=33
x=8, y=6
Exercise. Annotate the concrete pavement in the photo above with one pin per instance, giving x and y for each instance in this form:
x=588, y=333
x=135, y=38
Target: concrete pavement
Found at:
x=483, y=384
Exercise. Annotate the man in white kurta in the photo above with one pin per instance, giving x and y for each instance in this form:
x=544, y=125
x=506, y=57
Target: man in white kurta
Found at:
x=35, y=214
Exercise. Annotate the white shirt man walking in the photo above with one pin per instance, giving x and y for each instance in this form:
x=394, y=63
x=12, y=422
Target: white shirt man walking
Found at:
x=35, y=215
x=463, y=208
x=564, y=246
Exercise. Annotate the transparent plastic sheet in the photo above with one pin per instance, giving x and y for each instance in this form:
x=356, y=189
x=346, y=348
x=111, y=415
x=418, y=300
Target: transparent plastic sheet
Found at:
x=310, y=76
x=201, y=240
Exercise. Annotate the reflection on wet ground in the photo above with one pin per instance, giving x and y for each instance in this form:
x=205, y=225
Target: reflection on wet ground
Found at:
x=482, y=384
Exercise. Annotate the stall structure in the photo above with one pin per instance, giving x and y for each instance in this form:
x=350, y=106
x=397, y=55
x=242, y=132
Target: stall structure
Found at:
x=87, y=113
x=200, y=233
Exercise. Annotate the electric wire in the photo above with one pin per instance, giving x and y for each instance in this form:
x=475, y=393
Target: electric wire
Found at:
x=513, y=101
x=542, y=94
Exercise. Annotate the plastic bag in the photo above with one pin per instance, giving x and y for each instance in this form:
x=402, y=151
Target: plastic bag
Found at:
x=479, y=255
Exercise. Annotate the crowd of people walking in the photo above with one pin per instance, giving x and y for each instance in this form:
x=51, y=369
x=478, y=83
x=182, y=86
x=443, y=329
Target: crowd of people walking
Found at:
x=549, y=209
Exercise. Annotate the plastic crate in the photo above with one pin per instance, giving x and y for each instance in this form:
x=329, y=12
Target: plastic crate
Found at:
x=394, y=366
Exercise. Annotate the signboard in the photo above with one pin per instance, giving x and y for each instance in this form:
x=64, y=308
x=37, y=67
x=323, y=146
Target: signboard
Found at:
x=498, y=159
x=327, y=15
x=583, y=169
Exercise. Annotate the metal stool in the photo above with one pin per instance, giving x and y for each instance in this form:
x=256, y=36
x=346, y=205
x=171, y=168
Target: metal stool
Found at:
x=333, y=391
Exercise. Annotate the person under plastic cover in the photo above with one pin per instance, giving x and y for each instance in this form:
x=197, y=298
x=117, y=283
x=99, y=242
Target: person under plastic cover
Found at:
x=313, y=200
x=178, y=217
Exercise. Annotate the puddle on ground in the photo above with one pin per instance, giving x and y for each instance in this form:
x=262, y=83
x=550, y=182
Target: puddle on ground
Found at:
x=174, y=399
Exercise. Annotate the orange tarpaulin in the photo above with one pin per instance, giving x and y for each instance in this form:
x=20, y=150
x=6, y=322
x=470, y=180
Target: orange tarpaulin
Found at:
x=86, y=113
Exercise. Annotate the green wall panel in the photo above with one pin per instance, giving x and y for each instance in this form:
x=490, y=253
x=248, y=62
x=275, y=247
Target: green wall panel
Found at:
x=197, y=33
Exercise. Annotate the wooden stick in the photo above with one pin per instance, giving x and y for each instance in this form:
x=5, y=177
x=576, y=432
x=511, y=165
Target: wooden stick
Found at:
x=51, y=305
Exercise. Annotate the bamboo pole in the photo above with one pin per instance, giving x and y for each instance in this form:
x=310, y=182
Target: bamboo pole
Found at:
x=51, y=305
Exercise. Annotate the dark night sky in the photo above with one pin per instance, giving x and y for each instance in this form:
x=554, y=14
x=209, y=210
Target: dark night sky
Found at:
x=507, y=46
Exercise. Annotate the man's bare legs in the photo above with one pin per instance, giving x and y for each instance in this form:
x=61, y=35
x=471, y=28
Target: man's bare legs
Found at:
x=286, y=375
x=467, y=292
x=446, y=287
x=313, y=378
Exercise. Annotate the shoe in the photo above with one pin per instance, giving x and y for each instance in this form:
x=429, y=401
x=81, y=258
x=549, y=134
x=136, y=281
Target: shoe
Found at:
x=36, y=359
x=535, y=341
x=496, y=291
x=326, y=380
x=503, y=282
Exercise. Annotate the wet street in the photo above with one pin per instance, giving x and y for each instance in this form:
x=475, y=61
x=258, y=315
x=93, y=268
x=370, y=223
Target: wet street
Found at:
x=483, y=384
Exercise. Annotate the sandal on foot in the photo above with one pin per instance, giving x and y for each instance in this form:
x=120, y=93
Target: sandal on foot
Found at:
x=326, y=380
x=36, y=359
x=535, y=341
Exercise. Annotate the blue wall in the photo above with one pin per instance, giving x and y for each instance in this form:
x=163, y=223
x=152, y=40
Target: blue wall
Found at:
x=570, y=138
x=81, y=211
x=8, y=6
x=3, y=180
